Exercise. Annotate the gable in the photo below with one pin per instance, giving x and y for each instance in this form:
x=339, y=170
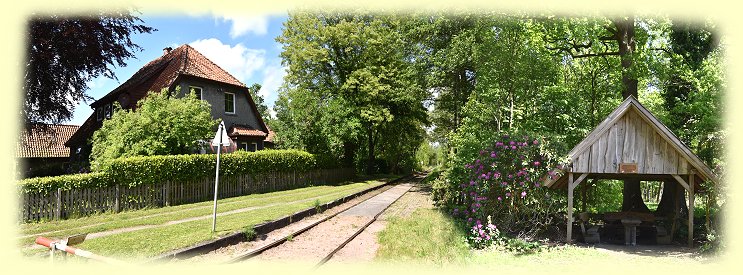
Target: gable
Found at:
x=630, y=139
x=631, y=134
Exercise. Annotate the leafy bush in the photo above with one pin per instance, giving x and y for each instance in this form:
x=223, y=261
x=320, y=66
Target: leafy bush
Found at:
x=161, y=124
x=503, y=184
x=134, y=171
x=44, y=185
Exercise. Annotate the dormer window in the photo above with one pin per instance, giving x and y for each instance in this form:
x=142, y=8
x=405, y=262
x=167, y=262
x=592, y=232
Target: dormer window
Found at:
x=229, y=103
x=99, y=113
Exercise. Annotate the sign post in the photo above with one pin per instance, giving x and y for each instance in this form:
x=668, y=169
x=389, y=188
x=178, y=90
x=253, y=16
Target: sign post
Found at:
x=220, y=139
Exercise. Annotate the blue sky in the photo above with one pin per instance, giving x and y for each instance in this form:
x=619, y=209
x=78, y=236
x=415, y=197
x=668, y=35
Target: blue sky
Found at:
x=243, y=46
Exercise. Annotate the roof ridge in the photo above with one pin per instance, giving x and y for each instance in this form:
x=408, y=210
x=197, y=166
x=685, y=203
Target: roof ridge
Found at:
x=215, y=64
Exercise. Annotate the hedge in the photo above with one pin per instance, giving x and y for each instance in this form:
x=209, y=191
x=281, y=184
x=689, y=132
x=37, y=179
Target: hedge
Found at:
x=134, y=171
x=45, y=185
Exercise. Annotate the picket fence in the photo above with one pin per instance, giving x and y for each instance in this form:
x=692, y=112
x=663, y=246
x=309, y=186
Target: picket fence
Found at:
x=64, y=204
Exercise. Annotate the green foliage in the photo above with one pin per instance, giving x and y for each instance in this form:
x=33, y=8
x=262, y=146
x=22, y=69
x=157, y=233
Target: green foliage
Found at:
x=350, y=89
x=134, y=171
x=45, y=185
x=249, y=232
x=160, y=125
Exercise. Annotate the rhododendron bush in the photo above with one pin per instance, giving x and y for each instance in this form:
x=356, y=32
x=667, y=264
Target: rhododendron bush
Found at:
x=500, y=191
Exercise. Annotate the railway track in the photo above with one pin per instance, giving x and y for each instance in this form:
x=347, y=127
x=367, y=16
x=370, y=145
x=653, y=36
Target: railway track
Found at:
x=343, y=226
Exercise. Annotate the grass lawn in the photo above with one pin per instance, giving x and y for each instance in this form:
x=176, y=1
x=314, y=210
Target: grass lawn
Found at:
x=150, y=242
x=429, y=239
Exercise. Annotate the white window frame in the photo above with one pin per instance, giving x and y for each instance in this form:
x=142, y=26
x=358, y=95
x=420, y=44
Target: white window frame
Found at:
x=201, y=91
x=108, y=111
x=243, y=146
x=255, y=146
x=234, y=107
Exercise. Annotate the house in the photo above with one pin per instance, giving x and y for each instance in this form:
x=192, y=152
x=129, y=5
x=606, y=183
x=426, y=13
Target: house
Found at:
x=185, y=68
x=41, y=151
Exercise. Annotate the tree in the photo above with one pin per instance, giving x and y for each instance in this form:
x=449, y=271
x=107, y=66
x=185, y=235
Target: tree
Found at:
x=64, y=53
x=259, y=101
x=160, y=125
x=359, y=75
x=586, y=39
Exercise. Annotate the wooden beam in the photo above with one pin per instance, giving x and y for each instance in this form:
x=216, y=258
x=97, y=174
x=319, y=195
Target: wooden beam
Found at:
x=570, y=208
x=579, y=180
x=681, y=181
x=691, y=209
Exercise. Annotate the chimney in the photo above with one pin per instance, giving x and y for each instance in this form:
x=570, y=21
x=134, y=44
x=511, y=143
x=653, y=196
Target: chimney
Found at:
x=167, y=50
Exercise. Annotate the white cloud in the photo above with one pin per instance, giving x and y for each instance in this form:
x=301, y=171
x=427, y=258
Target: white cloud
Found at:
x=273, y=77
x=237, y=60
x=246, y=24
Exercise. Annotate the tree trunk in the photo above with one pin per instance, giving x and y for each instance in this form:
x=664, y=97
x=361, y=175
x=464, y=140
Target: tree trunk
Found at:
x=668, y=201
x=349, y=149
x=370, y=156
x=632, y=198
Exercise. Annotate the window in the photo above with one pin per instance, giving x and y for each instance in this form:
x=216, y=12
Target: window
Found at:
x=197, y=91
x=99, y=113
x=250, y=147
x=229, y=103
x=108, y=111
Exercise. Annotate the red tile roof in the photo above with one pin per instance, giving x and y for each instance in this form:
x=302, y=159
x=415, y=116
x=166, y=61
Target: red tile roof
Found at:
x=163, y=73
x=271, y=135
x=245, y=131
x=41, y=144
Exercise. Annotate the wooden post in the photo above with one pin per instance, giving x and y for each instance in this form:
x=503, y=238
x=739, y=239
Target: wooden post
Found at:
x=167, y=193
x=58, y=208
x=116, y=200
x=570, y=208
x=691, y=209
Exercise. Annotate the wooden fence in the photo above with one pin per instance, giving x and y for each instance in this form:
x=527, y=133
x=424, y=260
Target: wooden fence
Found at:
x=64, y=204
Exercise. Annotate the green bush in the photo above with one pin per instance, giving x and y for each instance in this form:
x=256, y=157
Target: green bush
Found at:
x=134, y=171
x=44, y=185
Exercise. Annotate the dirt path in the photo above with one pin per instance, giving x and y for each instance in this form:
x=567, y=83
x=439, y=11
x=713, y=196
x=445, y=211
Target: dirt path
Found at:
x=226, y=253
x=363, y=248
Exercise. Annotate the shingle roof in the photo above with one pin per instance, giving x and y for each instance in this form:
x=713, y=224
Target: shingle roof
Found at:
x=45, y=144
x=245, y=131
x=157, y=74
x=163, y=71
x=271, y=135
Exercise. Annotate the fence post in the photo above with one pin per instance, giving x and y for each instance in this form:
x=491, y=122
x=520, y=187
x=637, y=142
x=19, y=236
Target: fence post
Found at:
x=116, y=200
x=167, y=193
x=58, y=208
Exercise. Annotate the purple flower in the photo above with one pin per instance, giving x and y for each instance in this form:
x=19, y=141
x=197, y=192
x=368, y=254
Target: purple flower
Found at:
x=487, y=237
x=499, y=198
x=536, y=163
x=511, y=143
x=491, y=226
x=513, y=147
x=508, y=194
x=536, y=142
x=469, y=219
x=523, y=194
x=478, y=222
x=493, y=154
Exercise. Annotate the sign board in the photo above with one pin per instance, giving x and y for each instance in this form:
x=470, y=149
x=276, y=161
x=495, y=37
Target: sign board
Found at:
x=75, y=239
x=223, y=132
x=628, y=168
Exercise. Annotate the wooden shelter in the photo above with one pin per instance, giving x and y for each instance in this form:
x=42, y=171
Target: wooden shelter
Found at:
x=632, y=143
